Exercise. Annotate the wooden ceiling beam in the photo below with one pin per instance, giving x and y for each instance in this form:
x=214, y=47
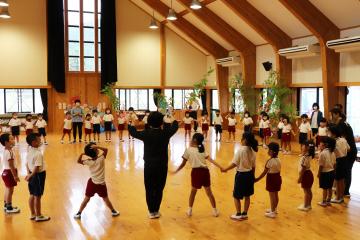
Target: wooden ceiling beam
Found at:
x=324, y=30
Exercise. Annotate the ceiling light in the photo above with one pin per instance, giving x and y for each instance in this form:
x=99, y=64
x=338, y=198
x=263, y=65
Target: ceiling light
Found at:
x=4, y=3
x=153, y=24
x=195, y=4
x=172, y=14
x=4, y=13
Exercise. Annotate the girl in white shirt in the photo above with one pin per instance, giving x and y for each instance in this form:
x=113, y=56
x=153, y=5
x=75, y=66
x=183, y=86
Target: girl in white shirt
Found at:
x=96, y=121
x=322, y=131
x=218, y=120
x=200, y=176
x=266, y=129
x=29, y=124
x=205, y=124
x=131, y=118
x=15, y=124
x=121, y=124
x=108, y=121
x=244, y=161
x=187, y=124
x=304, y=130
x=67, y=127
x=280, y=127
x=231, y=125
x=273, y=178
x=41, y=126
x=248, y=122
x=286, y=135
x=88, y=127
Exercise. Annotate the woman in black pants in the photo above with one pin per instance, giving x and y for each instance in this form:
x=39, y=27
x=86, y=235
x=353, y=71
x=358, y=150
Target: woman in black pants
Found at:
x=77, y=120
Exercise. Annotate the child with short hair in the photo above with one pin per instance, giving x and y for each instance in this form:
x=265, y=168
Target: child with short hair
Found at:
x=306, y=177
x=205, y=124
x=248, y=122
x=341, y=150
x=10, y=173
x=187, y=124
x=96, y=183
x=131, y=119
x=67, y=127
x=41, y=126
x=322, y=131
x=15, y=124
x=108, y=119
x=304, y=130
x=286, y=135
x=96, y=121
x=261, y=125
x=200, y=175
x=145, y=119
x=231, y=125
x=273, y=178
x=88, y=127
x=266, y=129
x=280, y=127
x=121, y=124
x=168, y=119
x=36, y=175
x=29, y=124
x=244, y=161
x=326, y=173
x=218, y=120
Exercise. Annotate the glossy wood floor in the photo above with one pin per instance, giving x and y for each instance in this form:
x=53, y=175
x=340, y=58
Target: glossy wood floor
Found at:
x=66, y=181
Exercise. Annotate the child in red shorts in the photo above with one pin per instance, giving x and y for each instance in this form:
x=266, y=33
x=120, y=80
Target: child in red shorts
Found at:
x=231, y=125
x=200, y=176
x=67, y=127
x=9, y=175
x=88, y=127
x=96, y=183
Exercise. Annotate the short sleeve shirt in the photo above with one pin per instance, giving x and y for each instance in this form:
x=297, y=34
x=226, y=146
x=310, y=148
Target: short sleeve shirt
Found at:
x=195, y=158
x=274, y=165
x=244, y=159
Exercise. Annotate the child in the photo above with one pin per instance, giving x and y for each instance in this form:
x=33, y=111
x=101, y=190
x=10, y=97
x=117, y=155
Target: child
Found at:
x=273, y=178
x=205, y=124
x=41, y=125
x=286, y=135
x=187, y=124
x=121, y=124
x=15, y=124
x=244, y=161
x=322, y=131
x=231, y=125
x=145, y=119
x=108, y=121
x=168, y=119
x=96, y=121
x=248, y=122
x=304, y=130
x=266, y=129
x=261, y=125
x=280, y=127
x=67, y=127
x=29, y=124
x=326, y=173
x=200, y=176
x=36, y=175
x=88, y=127
x=96, y=183
x=341, y=150
x=131, y=119
x=9, y=174
x=218, y=120
x=306, y=177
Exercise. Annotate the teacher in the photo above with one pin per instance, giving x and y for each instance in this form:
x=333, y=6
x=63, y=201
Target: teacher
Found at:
x=316, y=117
x=77, y=119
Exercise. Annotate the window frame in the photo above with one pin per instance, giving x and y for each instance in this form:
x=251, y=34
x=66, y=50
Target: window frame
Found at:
x=298, y=97
x=19, y=100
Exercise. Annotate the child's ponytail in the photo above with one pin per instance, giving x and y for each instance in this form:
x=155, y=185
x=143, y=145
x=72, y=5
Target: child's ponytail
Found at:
x=199, y=138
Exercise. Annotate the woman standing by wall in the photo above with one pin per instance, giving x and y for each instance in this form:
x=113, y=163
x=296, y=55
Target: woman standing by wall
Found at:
x=316, y=117
x=77, y=114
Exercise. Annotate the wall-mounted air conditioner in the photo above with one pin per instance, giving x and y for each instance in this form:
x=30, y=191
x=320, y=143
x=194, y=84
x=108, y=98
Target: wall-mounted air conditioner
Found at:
x=228, y=61
x=345, y=44
x=300, y=51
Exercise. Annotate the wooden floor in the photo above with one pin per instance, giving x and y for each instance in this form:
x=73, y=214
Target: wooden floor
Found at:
x=66, y=181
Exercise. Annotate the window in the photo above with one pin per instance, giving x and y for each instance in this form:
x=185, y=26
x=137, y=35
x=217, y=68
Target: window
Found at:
x=139, y=99
x=214, y=103
x=180, y=97
x=238, y=102
x=352, y=109
x=308, y=96
x=20, y=100
x=83, y=35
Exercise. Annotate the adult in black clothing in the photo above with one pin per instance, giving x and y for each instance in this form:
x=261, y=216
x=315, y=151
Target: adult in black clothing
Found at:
x=338, y=118
x=156, y=141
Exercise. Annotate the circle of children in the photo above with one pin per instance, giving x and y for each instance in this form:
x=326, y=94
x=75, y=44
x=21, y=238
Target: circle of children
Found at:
x=332, y=140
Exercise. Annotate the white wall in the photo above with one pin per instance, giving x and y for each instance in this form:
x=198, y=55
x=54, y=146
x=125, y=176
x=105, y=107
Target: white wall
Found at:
x=350, y=61
x=264, y=53
x=23, y=44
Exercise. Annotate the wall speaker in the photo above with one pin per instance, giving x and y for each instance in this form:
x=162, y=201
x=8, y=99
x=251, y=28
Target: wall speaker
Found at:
x=267, y=65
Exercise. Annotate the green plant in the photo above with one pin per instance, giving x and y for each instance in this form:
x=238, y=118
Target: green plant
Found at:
x=162, y=102
x=241, y=94
x=109, y=91
x=199, y=87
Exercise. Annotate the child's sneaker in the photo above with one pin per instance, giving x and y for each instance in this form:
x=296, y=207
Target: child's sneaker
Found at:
x=334, y=200
x=77, y=216
x=152, y=215
x=189, y=212
x=32, y=217
x=157, y=215
x=41, y=218
x=323, y=204
x=269, y=211
x=303, y=208
x=236, y=216
x=270, y=215
x=215, y=212
x=45, y=143
x=115, y=213
x=62, y=141
x=12, y=210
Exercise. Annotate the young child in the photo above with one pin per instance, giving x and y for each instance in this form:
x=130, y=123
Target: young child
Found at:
x=304, y=130
x=341, y=150
x=96, y=121
x=41, y=125
x=266, y=130
x=88, y=127
x=231, y=125
x=280, y=127
x=108, y=119
x=306, y=177
x=200, y=176
x=326, y=173
x=187, y=124
x=9, y=174
x=261, y=125
x=244, y=161
x=218, y=120
x=96, y=183
x=248, y=122
x=131, y=119
x=273, y=178
x=29, y=124
x=121, y=124
x=205, y=124
x=145, y=119
x=322, y=131
x=36, y=175
x=168, y=119
x=286, y=135
x=15, y=124
x=67, y=127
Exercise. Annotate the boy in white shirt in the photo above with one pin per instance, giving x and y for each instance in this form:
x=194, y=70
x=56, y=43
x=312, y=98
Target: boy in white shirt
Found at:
x=187, y=124
x=15, y=124
x=231, y=125
x=41, y=126
x=29, y=124
x=96, y=121
x=87, y=127
x=218, y=120
x=121, y=124
x=248, y=122
x=304, y=130
x=67, y=127
x=131, y=119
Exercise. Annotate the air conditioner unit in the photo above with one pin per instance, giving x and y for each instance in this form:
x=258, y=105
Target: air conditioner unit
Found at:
x=228, y=61
x=300, y=51
x=345, y=44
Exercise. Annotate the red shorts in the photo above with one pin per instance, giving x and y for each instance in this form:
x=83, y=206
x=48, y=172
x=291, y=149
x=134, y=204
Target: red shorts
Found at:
x=66, y=131
x=187, y=126
x=273, y=182
x=319, y=139
x=286, y=137
x=266, y=132
x=307, y=179
x=8, y=178
x=205, y=127
x=92, y=188
x=121, y=127
x=200, y=177
x=88, y=131
x=28, y=131
x=231, y=129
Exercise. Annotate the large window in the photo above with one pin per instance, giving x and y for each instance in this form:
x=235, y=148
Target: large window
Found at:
x=352, y=109
x=139, y=99
x=20, y=100
x=180, y=97
x=82, y=29
x=214, y=103
x=308, y=96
